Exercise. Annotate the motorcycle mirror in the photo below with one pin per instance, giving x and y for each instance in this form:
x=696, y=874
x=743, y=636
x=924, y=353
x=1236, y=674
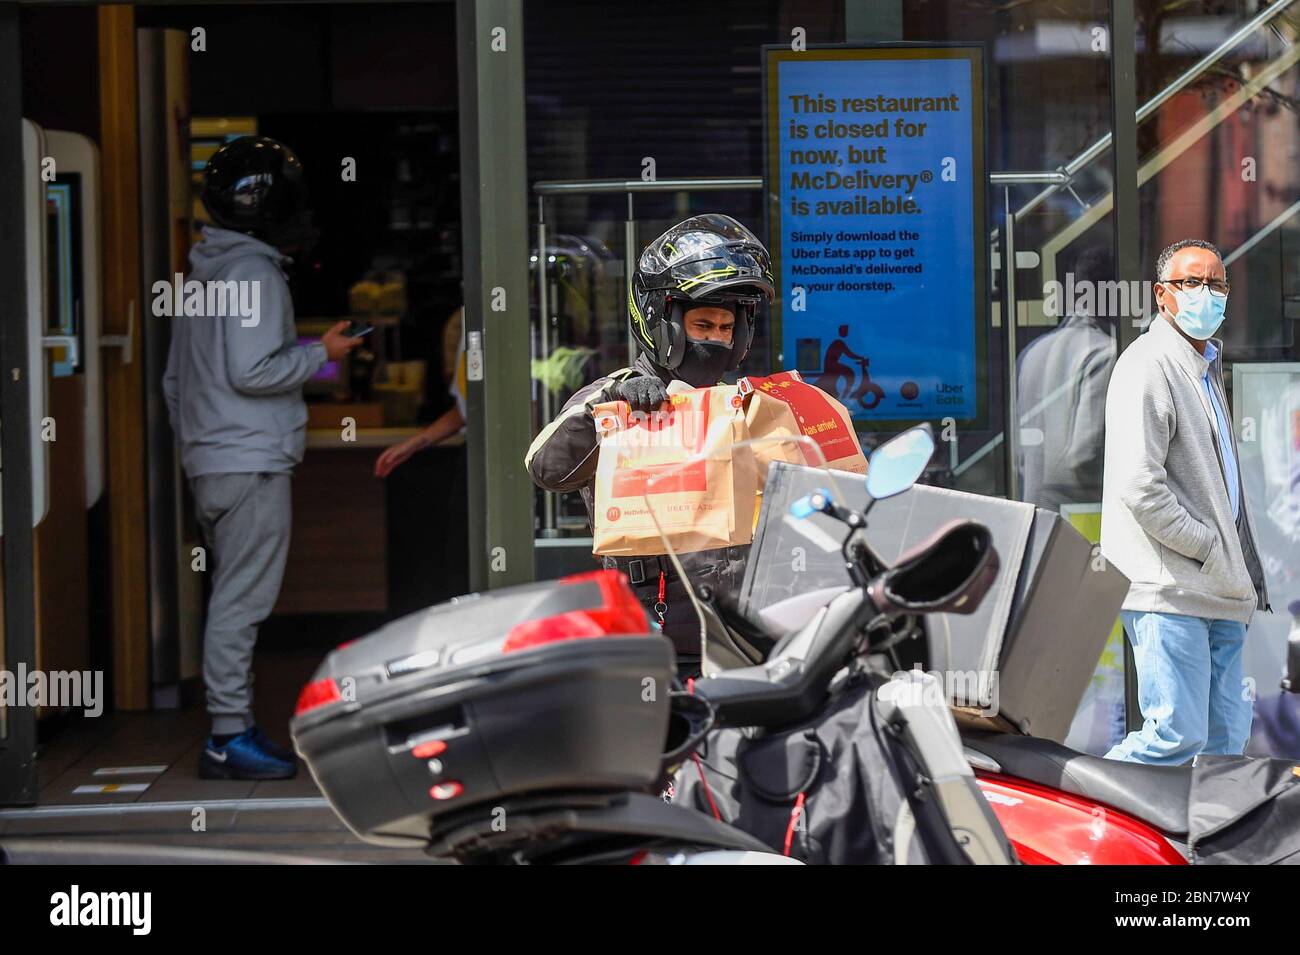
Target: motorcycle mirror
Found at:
x=1291, y=682
x=898, y=463
x=949, y=572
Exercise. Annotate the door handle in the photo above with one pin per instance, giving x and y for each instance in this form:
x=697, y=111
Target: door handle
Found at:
x=125, y=342
x=69, y=342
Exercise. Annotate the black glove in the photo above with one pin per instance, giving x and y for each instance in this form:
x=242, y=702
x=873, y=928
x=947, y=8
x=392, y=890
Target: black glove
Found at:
x=644, y=393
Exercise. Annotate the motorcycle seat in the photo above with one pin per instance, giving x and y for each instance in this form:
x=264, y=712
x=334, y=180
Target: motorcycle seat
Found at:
x=1158, y=795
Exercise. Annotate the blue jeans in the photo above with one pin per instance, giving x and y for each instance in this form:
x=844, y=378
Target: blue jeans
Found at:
x=1190, y=688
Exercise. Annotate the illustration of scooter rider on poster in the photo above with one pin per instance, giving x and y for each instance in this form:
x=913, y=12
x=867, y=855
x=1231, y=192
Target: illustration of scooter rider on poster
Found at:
x=838, y=379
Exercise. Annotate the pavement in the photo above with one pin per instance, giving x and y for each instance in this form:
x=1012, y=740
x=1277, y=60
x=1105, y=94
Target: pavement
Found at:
x=130, y=779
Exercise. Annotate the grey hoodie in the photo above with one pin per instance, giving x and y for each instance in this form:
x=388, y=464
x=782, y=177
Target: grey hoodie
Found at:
x=1166, y=519
x=233, y=384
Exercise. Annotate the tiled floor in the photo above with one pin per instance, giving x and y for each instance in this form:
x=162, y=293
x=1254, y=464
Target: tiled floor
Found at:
x=176, y=807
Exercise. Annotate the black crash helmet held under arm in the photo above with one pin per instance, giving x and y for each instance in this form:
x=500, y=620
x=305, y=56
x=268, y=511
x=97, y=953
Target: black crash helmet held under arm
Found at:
x=706, y=260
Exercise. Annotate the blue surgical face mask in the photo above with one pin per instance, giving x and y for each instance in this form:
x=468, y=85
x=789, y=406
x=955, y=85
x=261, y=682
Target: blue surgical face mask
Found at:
x=1199, y=313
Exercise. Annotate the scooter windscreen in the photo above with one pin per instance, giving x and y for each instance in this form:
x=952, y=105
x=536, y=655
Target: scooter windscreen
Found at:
x=774, y=666
x=729, y=476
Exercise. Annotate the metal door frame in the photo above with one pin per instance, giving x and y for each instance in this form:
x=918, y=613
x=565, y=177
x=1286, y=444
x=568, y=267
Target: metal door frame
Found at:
x=18, y=744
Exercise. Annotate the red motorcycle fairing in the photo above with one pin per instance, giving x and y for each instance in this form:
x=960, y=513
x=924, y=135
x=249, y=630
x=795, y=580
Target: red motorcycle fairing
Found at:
x=1051, y=827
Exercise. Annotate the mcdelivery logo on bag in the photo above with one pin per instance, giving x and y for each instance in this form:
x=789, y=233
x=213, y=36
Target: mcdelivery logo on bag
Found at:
x=613, y=514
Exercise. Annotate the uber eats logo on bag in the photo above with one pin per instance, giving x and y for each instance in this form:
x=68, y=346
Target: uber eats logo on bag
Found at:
x=133, y=909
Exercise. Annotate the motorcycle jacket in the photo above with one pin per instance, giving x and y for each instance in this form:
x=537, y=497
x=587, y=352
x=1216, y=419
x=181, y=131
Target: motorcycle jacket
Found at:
x=564, y=456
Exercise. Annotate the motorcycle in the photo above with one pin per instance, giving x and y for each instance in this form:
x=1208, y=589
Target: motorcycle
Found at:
x=526, y=725
x=1055, y=805
x=815, y=677
x=868, y=393
x=1064, y=807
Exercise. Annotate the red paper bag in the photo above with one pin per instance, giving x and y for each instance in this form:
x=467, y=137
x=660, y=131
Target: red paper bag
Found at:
x=784, y=404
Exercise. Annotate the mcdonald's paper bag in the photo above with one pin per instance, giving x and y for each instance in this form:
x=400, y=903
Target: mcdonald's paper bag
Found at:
x=699, y=503
x=784, y=404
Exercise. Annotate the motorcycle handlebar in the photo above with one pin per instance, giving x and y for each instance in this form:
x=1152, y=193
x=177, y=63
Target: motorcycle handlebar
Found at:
x=949, y=572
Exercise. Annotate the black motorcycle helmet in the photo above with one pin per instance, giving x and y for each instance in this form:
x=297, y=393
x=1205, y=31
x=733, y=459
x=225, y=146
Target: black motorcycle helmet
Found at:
x=256, y=185
x=706, y=260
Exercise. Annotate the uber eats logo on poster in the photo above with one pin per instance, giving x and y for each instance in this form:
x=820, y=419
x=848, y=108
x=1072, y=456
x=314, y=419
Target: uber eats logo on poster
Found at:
x=133, y=909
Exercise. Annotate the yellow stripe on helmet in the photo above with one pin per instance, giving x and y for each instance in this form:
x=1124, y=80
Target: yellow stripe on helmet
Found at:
x=707, y=276
x=638, y=321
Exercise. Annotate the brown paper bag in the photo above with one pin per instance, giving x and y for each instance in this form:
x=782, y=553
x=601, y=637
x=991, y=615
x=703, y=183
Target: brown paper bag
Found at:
x=704, y=504
x=784, y=404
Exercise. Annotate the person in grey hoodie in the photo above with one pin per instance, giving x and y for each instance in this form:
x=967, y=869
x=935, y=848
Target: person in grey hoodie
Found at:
x=1176, y=523
x=233, y=387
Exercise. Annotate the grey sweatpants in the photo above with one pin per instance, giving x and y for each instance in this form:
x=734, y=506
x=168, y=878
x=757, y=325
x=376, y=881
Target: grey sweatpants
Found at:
x=245, y=520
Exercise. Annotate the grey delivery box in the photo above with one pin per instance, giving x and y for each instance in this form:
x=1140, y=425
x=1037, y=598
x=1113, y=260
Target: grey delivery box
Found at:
x=1029, y=651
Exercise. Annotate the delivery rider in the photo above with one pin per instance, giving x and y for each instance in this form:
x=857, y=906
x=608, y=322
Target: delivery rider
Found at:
x=692, y=310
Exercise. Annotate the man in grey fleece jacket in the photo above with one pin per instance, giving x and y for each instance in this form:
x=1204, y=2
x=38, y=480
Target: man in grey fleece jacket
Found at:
x=233, y=387
x=1176, y=522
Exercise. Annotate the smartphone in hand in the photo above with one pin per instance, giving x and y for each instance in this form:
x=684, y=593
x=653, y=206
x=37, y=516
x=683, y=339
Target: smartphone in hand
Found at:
x=355, y=330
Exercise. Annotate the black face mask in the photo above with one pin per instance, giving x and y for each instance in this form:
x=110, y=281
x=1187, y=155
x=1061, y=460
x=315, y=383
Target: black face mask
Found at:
x=704, y=363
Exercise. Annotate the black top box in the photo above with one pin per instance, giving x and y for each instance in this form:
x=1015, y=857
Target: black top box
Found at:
x=556, y=687
x=1029, y=651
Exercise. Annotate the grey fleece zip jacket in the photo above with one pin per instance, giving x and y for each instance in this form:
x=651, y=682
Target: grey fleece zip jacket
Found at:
x=1167, y=519
x=233, y=384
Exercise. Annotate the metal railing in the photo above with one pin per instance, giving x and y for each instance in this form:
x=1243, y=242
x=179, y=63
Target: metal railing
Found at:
x=1086, y=157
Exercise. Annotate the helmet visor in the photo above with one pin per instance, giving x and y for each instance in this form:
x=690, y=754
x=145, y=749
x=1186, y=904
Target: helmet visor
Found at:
x=693, y=238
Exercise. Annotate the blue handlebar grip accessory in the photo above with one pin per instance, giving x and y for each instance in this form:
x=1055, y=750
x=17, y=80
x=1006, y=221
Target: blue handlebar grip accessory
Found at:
x=818, y=501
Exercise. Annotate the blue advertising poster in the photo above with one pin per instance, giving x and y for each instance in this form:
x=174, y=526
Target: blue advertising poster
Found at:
x=876, y=179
